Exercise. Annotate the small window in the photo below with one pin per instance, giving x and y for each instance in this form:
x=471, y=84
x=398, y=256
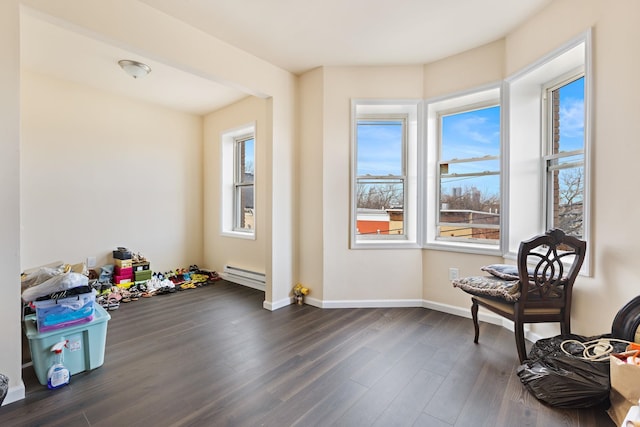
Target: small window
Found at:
x=469, y=175
x=464, y=192
x=237, y=204
x=243, y=185
x=564, y=159
x=384, y=159
x=380, y=182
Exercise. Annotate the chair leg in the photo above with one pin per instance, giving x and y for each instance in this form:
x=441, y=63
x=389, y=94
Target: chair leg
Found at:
x=565, y=325
x=520, y=344
x=474, y=315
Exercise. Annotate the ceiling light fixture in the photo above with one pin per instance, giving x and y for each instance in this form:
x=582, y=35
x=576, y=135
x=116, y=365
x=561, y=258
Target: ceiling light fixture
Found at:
x=134, y=68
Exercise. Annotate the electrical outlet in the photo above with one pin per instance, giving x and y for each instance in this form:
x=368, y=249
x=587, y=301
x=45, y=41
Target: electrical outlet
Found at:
x=91, y=262
x=453, y=273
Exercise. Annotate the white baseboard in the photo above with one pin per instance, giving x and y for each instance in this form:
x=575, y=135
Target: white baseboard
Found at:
x=370, y=303
x=14, y=394
x=272, y=306
x=466, y=312
x=344, y=303
x=483, y=315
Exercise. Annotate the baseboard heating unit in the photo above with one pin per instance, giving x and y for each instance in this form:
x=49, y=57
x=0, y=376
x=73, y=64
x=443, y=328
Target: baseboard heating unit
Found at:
x=243, y=276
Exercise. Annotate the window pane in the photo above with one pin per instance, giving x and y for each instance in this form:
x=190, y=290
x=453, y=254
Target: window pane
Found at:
x=470, y=175
x=245, y=208
x=460, y=174
x=471, y=134
x=244, y=184
x=567, y=204
x=568, y=117
x=380, y=207
x=379, y=148
x=566, y=172
x=246, y=156
x=473, y=193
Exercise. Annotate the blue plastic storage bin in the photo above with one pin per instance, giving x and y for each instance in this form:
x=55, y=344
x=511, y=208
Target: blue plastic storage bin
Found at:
x=85, y=349
x=54, y=314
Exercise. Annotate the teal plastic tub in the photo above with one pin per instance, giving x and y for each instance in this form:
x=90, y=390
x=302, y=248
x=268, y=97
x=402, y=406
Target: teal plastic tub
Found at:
x=85, y=347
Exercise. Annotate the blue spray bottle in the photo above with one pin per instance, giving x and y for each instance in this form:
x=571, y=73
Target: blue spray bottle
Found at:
x=58, y=375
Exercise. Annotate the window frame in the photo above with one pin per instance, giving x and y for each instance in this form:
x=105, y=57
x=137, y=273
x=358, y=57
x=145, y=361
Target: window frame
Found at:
x=229, y=169
x=462, y=109
x=240, y=184
x=468, y=100
x=526, y=136
x=388, y=110
x=548, y=156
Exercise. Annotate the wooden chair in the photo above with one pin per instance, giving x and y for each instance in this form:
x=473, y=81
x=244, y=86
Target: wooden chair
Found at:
x=539, y=289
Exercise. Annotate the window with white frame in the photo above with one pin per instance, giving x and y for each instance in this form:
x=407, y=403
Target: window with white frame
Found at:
x=469, y=175
x=238, y=182
x=243, y=186
x=549, y=144
x=564, y=155
x=463, y=142
x=384, y=193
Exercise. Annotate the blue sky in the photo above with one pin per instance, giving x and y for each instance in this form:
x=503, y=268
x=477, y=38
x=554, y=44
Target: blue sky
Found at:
x=465, y=135
x=379, y=148
x=572, y=116
x=471, y=134
x=249, y=153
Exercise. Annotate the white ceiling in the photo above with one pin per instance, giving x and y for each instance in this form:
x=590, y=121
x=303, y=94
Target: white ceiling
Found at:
x=296, y=35
x=51, y=49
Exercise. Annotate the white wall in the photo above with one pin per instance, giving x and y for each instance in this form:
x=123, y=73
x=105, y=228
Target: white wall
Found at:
x=362, y=275
x=310, y=258
x=221, y=250
x=382, y=275
x=468, y=70
x=614, y=157
x=100, y=171
x=173, y=42
x=353, y=275
x=10, y=315
x=615, y=207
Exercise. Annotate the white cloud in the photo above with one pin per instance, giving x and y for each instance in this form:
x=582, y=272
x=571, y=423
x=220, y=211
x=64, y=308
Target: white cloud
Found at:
x=572, y=118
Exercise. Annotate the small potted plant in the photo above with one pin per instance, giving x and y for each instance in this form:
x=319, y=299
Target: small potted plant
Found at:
x=299, y=292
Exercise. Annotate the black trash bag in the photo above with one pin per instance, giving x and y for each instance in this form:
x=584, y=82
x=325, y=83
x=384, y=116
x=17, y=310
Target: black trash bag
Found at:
x=4, y=387
x=566, y=380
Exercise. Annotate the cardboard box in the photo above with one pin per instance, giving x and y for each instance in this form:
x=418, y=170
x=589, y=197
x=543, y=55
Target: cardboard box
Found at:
x=142, y=275
x=122, y=253
x=140, y=266
x=120, y=280
x=84, y=350
x=123, y=263
x=625, y=391
x=119, y=271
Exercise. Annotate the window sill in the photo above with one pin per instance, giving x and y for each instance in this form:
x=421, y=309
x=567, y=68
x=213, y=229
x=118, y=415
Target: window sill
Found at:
x=239, y=235
x=469, y=248
x=388, y=244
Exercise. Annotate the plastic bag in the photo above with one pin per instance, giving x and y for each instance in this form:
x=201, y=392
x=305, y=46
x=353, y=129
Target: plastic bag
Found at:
x=566, y=380
x=41, y=275
x=61, y=282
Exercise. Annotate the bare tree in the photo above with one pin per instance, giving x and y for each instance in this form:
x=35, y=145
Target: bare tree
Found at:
x=379, y=196
x=569, y=210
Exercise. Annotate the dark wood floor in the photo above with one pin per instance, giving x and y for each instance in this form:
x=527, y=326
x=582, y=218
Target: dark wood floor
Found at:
x=214, y=357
